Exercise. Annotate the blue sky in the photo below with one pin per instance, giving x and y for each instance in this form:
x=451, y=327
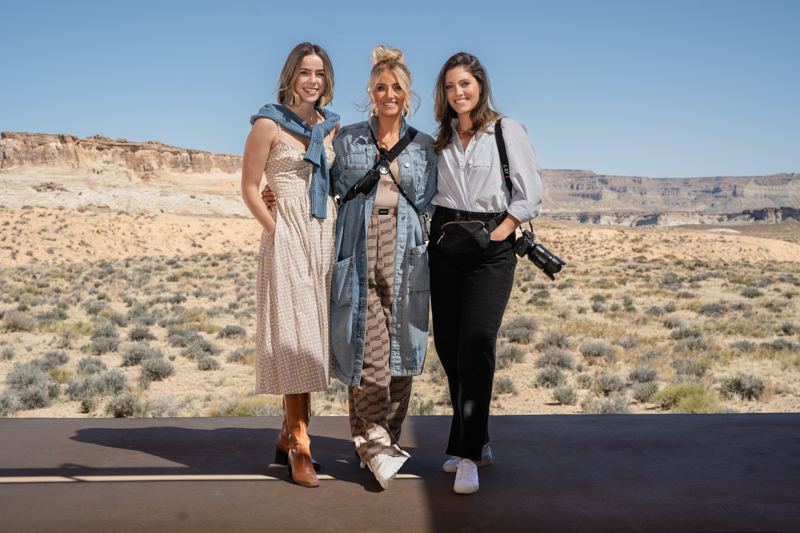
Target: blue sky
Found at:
x=647, y=88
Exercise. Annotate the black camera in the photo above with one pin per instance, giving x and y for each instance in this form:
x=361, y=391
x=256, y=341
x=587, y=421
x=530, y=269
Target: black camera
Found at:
x=543, y=258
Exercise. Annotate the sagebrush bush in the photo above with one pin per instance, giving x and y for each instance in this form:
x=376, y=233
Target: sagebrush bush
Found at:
x=691, y=345
x=206, y=362
x=599, y=349
x=24, y=375
x=630, y=342
x=156, y=369
x=90, y=365
x=7, y=354
x=164, y=406
x=108, y=382
x=714, y=309
x=616, y=404
x=565, y=396
x=780, y=344
x=54, y=315
x=504, y=385
x=608, y=383
x=181, y=336
x=509, y=354
x=556, y=357
x=643, y=374
x=231, y=331
x=551, y=377
x=118, y=319
x=136, y=353
x=14, y=321
x=788, y=328
x=140, y=333
x=33, y=398
x=743, y=346
x=421, y=408
x=689, y=367
x=9, y=404
x=642, y=392
x=124, y=405
x=519, y=329
x=240, y=355
x=685, y=333
x=555, y=339
x=584, y=380
x=746, y=386
x=53, y=359
x=94, y=307
x=198, y=348
x=670, y=396
x=434, y=367
x=751, y=292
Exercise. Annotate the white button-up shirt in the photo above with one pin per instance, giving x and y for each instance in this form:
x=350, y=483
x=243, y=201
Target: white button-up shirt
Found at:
x=472, y=179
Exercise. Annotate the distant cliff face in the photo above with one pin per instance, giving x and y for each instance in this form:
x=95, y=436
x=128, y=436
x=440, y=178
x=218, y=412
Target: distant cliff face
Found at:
x=40, y=169
x=94, y=154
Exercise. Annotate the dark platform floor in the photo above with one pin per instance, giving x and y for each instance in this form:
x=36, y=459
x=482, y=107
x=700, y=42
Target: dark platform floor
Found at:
x=551, y=473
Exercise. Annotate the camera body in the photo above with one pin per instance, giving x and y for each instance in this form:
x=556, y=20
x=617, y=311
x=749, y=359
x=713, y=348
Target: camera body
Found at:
x=543, y=258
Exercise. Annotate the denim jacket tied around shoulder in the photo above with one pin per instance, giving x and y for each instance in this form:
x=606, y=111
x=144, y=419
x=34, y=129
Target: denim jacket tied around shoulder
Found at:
x=356, y=153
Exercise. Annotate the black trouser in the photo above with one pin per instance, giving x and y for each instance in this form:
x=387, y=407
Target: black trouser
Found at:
x=469, y=293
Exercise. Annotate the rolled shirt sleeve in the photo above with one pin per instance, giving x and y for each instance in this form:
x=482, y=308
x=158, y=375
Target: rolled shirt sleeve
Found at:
x=526, y=175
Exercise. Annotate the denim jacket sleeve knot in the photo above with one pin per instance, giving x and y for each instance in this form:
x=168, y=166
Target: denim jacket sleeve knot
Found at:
x=355, y=154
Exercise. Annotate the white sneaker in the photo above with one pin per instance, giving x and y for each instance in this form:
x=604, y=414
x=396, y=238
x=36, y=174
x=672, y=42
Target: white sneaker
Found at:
x=385, y=467
x=466, y=477
x=451, y=465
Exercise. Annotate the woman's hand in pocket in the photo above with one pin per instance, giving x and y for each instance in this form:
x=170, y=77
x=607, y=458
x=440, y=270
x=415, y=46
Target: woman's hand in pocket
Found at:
x=269, y=198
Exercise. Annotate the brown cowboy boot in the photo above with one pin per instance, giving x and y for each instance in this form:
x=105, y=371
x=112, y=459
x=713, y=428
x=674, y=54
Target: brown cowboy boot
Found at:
x=282, y=448
x=298, y=409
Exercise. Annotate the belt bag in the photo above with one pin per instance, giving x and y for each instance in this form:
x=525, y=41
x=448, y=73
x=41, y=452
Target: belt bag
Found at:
x=459, y=236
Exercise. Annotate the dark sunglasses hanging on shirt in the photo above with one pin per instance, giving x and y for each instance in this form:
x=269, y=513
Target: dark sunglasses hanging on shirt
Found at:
x=373, y=176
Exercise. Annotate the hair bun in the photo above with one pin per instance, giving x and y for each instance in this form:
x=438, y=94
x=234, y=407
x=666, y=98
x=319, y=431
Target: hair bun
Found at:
x=381, y=54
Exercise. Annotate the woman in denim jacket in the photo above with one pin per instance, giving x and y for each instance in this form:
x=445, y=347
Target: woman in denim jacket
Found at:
x=380, y=287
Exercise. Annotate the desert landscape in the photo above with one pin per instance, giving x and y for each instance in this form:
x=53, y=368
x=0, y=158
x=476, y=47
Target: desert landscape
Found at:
x=127, y=288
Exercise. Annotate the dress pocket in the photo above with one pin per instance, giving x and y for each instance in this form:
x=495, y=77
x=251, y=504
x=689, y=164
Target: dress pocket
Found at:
x=342, y=282
x=419, y=279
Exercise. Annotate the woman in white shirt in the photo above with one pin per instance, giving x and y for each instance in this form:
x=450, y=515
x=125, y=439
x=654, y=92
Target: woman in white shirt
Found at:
x=471, y=258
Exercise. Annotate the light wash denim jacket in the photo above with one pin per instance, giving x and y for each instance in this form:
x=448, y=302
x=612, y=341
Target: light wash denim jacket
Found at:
x=356, y=153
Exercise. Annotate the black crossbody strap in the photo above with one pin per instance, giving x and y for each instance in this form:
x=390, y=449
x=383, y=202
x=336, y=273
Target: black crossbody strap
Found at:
x=501, y=148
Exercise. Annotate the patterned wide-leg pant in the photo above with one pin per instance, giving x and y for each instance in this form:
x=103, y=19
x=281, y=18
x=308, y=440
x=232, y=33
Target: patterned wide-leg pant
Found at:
x=378, y=405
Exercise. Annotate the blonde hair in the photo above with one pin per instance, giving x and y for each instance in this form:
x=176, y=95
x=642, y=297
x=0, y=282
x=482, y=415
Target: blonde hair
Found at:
x=390, y=59
x=287, y=95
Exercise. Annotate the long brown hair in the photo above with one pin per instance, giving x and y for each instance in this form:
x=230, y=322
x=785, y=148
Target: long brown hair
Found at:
x=484, y=111
x=286, y=92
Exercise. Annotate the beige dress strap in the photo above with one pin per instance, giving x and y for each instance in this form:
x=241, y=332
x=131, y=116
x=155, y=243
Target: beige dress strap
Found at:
x=280, y=135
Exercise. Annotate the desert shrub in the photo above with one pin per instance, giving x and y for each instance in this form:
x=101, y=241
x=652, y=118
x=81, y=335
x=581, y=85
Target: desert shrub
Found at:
x=124, y=405
x=751, y=292
x=198, y=348
x=118, y=319
x=95, y=307
x=53, y=359
x=630, y=342
x=240, y=355
x=642, y=392
x=107, y=330
x=7, y=354
x=654, y=311
x=714, y=309
x=556, y=357
x=686, y=295
x=509, y=354
x=9, y=404
x=178, y=336
x=669, y=307
x=551, y=377
x=91, y=365
x=25, y=375
x=337, y=392
x=164, y=406
x=674, y=322
x=504, y=385
x=780, y=344
x=689, y=367
x=584, y=380
x=597, y=307
x=616, y=404
x=670, y=396
x=789, y=329
x=54, y=315
x=103, y=345
x=232, y=331
x=555, y=339
x=434, y=366
x=565, y=396
x=519, y=329
x=643, y=374
x=741, y=306
x=136, y=353
x=140, y=333
x=109, y=382
x=743, y=346
x=156, y=369
x=746, y=386
x=608, y=383
x=33, y=398
x=599, y=349
x=14, y=321
x=685, y=333
x=421, y=408
x=206, y=362
x=691, y=345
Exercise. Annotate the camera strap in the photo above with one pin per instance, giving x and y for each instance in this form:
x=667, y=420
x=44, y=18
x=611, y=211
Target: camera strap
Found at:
x=385, y=157
x=501, y=149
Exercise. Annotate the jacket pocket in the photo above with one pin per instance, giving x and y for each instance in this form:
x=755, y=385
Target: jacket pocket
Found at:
x=419, y=279
x=422, y=170
x=342, y=282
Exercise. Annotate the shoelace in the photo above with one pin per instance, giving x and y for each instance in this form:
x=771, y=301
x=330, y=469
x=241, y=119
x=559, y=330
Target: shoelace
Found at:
x=466, y=468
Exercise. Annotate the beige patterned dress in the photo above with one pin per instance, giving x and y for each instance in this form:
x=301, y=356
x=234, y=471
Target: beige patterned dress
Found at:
x=293, y=345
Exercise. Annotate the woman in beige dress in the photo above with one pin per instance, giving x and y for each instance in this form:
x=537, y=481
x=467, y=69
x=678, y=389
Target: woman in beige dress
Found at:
x=289, y=144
